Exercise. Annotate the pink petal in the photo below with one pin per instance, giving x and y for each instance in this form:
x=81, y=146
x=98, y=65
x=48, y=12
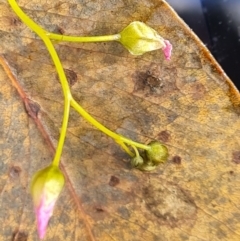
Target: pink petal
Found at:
x=167, y=50
x=43, y=214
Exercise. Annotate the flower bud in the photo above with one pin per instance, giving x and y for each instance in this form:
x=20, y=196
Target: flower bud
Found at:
x=46, y=186
x=137, y=161
x=139, y=38
x=158, y=153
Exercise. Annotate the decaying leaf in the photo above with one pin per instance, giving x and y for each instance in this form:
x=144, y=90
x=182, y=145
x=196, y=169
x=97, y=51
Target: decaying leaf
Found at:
x=188, y=103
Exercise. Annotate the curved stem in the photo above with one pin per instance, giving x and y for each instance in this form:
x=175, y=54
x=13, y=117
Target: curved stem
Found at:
x=66, y=38
x=65, y=87
x=27, y=20
x=125, y=148
x=118, y=138
x=136, y=151
x=68, y=99
x=57, y=157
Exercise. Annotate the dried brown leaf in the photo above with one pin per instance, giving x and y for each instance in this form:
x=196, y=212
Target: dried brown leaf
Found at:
x=188, y=102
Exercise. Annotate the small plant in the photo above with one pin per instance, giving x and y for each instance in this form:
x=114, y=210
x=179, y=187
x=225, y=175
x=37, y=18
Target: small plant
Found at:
x=47, y=184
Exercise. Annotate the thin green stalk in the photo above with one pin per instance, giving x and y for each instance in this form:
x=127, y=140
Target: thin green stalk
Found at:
x=119, y=139
x=86, y=39
x=68, y=99
x=136, y=151
x=125, y=148
x=65, y=87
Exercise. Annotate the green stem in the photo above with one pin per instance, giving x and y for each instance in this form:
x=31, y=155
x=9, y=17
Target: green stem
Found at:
x=136, y=151
x=28, y=21
x=57, y=157
x=68, y=99
x=66, y=38
x=65, y=87
x=118, y=138
x=125, y=148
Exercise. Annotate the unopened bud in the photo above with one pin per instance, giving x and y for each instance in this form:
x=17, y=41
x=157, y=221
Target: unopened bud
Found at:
x=46, y=186
x=139, y=38
x=137, y=161
x=158, y=153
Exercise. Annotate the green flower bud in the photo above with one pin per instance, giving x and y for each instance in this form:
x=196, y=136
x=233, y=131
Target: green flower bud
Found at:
x=137, y=161
x=158, y=153
x=46, y=186
x=139, y=38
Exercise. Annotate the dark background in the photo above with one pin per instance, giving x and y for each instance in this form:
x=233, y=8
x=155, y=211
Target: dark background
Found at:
x=217, y=24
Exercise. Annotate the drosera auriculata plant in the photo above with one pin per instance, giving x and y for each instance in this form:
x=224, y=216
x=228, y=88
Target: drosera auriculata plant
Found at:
x=47, y=184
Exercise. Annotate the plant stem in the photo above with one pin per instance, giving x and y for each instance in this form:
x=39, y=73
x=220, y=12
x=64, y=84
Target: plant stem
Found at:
x=118, y=138
x=66, y=38
x=68, y=99
x=65, y=87
x=136, y=151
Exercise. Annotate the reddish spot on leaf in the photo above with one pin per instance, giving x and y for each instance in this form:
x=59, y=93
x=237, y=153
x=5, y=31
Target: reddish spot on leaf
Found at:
x=19, y=236
x=99, y=209
x=114, y=181
x=32, y=108
x=14, y=172
x=177, y=160
x=71, y=76
x=147, y=83
x=164, y=136
x=15, y=22
x=60, y=30
x=199, y=91
x=236, y=157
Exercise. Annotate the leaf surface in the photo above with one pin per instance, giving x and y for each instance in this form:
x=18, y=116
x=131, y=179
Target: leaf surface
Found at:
x=188, y=103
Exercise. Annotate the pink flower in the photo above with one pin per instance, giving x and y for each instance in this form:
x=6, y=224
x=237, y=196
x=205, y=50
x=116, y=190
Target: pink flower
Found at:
x=167, y=50
x=46, y=186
